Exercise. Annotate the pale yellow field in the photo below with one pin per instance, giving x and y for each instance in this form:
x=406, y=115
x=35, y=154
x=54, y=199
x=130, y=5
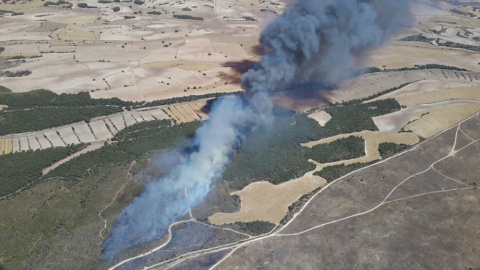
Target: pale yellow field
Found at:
x=8, y=146
x=187, y=112
x=2, y=146
x=172, y=115
x=321, y=117
x=268, y=202
x=439, y=119
x=3, y=107
x=472, y=93
x=178, y=114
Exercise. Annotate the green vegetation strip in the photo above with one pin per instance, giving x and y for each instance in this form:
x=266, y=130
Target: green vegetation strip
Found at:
x=188, y=17
x=252, y=228
x=46, y=98
x=4, y=89
x=334, y=172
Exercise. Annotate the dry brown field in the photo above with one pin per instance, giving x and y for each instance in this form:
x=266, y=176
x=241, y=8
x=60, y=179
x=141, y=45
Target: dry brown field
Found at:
x=268, y=202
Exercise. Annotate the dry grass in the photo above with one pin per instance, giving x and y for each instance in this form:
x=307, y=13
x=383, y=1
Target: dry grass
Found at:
x=321, y=117
x=472, y=93
x=8, y=146
x=268, y=202
x=185, y=65
x=187, y=112
x=435, y=120
x=427, y=86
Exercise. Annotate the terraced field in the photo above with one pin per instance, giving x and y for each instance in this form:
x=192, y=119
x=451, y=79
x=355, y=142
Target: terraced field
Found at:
x=98, y=129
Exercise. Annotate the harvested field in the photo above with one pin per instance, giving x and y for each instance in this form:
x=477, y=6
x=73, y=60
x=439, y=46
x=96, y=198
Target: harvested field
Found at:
x=146, y=116
x=138, y=118
x=16, y=145
x=267, y=202
x=394, y=122
x=8, y=146
x=186, y=65
x=100, y=130
x=118, y=121
x=53, y=138
x=129, y=120
x=428, y=86
x=33, y=143
x=471, y=93
x=322, y=117
x=68, y=136
x=159, y=114
x=187, y=112
x=44, y=143
x=23, y=143
x=435, y=120
x=84, y=133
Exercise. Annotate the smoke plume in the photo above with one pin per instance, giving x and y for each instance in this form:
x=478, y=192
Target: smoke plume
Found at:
x=314, y=40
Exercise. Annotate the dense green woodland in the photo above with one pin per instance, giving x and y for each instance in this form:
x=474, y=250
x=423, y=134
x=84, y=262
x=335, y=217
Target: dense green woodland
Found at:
x=20, y=169
x=343, y=149
x=334, y=172
x=252, y=228
x=389, y=149
x=274, y=153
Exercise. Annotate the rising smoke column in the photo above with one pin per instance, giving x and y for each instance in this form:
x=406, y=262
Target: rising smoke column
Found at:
x=314, y=40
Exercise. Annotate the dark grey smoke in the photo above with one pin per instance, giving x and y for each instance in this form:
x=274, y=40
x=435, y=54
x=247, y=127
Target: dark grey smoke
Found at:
x=314, y=40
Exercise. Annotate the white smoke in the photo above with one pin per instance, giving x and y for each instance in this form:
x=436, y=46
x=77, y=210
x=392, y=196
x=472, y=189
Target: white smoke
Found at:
x=314, y=40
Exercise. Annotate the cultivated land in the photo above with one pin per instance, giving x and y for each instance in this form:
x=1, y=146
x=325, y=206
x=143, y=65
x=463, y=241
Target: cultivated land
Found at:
x=58, y=209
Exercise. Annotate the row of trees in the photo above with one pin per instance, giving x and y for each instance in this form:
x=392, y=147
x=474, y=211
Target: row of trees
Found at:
x=252, y=228
x=47, y=98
